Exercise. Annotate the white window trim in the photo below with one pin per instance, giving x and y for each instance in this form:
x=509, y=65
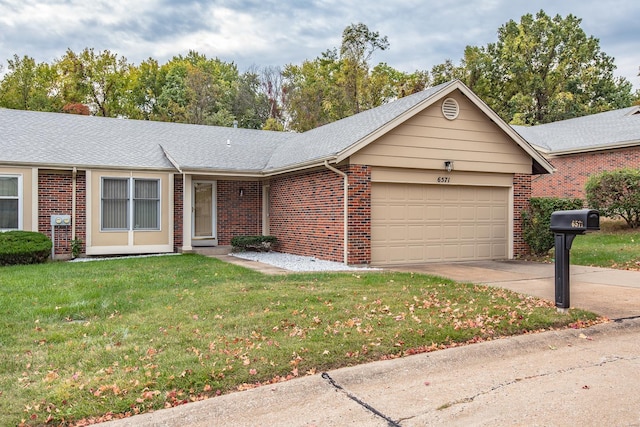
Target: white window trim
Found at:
x=130, y=213
x=20, y=201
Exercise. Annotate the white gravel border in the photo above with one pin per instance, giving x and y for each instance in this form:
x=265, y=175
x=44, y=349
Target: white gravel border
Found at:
x=297, y=262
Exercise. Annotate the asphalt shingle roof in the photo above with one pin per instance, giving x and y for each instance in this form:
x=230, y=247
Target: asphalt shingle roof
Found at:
x=64, y=139
x=611, y=128
x=55, y=139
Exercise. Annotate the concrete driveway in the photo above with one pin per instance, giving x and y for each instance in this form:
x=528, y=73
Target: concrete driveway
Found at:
x=611, y=293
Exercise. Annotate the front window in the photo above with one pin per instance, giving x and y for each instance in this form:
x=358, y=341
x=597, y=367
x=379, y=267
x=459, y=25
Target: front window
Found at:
x=130, y=204
x=146, y=204
x=9, y=202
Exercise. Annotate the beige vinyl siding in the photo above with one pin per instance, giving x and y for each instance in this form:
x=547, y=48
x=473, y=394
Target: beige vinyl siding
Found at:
x=415, y=223
x=472, y=141
x=101, y=242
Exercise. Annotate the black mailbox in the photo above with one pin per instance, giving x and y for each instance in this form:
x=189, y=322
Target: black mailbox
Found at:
x=576, y=221
x=566, y=225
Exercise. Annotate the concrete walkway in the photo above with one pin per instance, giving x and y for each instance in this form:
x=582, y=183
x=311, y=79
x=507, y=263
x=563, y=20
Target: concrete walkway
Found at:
x=587, y=377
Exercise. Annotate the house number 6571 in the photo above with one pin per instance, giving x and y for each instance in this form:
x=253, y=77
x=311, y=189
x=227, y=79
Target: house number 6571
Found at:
x=444, y=179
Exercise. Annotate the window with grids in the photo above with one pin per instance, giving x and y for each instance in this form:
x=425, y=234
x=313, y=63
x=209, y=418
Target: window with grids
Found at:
x=9, y=202
x=130, y=204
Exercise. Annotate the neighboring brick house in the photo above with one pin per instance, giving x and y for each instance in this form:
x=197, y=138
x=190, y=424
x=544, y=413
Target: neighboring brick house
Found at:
x=584, y=146
x=435, y=176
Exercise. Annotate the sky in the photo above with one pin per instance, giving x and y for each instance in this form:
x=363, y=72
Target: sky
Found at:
x=263, y=33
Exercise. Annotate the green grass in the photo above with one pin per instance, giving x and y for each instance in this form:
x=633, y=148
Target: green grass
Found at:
x=614, y=246
x=81, y=340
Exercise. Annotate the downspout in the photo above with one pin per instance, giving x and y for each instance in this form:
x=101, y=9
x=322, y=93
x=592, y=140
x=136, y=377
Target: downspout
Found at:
x=184, y=190
x=346, y=209
x=73, y=203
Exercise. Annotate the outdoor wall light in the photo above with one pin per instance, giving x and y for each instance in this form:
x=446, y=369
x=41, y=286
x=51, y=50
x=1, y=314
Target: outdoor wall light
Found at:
x=241, y=192
x=448, y=165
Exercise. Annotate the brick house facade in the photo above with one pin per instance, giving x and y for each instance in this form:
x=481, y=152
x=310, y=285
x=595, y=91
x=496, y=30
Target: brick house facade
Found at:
x=55, y=197
x=573, y=171
x=581, y=147
x=155, y=176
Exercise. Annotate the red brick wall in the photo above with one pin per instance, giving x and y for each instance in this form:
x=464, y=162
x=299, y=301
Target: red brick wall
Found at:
x=178, y=193
x=574, y=170
x=521, y=196
x=306, y=214
x=239, y=215
x=359, y=214
x=55, y=198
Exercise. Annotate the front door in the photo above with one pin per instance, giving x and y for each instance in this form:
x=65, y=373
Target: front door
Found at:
x=204, y=214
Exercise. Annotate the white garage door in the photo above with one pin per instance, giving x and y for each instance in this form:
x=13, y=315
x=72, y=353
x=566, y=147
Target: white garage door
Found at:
x=413, y=223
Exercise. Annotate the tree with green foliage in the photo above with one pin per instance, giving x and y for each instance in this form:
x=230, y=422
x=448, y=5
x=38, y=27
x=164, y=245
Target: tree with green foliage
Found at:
x=340, y=83
x=616, y=194
x=100, y=80
x=30, y=86
x=541, y=69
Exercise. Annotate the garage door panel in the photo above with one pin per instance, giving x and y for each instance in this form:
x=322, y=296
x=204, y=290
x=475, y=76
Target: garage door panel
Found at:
x=468, y=232
x=451, y=213
x=422, y=223
x=484, y=231
x=433, y=213
x=416, y=232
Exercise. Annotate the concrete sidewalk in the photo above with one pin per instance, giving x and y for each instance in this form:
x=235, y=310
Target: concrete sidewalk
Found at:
x=587, y=377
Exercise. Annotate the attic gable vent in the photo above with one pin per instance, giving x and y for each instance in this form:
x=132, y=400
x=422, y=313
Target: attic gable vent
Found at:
x=450, y=108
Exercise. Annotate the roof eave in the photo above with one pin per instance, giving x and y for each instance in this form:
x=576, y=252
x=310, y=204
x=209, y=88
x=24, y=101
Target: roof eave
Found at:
x=79, y=166
x=599, y=147
x=301, y=166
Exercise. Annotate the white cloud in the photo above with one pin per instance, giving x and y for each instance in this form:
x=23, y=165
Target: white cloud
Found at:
x=270, y=32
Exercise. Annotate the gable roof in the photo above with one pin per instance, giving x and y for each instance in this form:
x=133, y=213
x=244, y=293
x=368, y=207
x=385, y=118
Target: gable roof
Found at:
x=63, y=140
x=611, y=129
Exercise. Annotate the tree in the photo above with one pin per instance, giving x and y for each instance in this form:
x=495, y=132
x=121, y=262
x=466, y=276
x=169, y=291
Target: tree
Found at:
x=616, y=194
x=198, y=90
x=30, y=86
x=251, y=107
x=340, y=83
x=146, y=88
x=100, y=80
x=358, y=44
x=541, y=70
x=272, y=88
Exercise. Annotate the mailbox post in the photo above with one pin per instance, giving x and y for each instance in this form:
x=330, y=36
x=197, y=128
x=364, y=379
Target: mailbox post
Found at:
x=566, y=225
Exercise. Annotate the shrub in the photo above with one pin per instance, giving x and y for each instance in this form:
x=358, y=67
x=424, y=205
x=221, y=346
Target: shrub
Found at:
x=253, y=243
x=537, y=220
x=616, y=194
x=24, y=247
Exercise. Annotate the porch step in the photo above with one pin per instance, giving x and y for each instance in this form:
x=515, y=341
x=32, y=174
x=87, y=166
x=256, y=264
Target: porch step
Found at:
x=212, y=250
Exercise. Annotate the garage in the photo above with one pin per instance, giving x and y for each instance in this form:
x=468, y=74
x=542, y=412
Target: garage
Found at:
x=414, y=223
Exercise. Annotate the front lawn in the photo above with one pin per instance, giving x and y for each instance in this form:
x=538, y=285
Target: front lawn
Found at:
x=614, y=246
x=80, y=341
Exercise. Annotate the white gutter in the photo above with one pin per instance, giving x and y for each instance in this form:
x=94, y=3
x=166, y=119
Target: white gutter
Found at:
x=346, y=209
